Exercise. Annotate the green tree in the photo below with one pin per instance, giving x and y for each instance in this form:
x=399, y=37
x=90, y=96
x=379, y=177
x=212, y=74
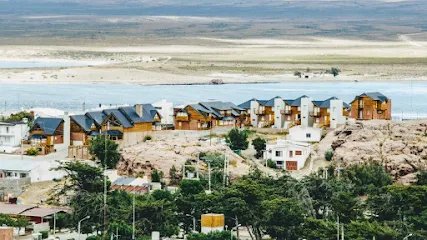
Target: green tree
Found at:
x=156, y=176
x=173, y=175
x=62, y=221
x=329, y=154
x=347, y=206
x=334, y=71
x=83, y=185
x=237, y=139
x=422, y=178
x=21, y=222
x=367, y=177
x=105, y=150
x=282, y=218
x=259, y=145
x=223, y=235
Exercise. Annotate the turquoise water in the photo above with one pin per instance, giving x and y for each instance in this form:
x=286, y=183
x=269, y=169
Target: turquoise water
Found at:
x=406, y=96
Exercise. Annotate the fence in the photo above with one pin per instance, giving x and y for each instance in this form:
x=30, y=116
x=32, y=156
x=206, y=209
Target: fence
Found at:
x=404, y=116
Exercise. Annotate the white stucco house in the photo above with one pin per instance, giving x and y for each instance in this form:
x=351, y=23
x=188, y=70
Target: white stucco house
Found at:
x=288, y=155
x=11, y=134
x=165, y=109
x=16, y=169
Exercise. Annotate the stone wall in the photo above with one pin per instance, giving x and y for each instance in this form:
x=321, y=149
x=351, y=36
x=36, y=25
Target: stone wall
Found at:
x=13, y=187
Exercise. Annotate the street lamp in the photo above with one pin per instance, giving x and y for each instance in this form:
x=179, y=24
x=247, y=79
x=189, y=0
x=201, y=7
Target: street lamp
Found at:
x=79, y=225
x=235, y=228
x=407, y=236
x=194, y=221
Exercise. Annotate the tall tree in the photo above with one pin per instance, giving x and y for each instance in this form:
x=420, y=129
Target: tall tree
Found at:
x=237, y=139
x=259, y=145
x=105, y=150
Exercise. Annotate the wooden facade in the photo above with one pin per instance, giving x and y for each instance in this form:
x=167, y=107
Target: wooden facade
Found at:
x=46, y=141
x=191, y=119
x=366, y=108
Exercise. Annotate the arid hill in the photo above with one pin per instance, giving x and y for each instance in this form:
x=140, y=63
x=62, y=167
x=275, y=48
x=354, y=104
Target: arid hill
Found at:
x=400, y=146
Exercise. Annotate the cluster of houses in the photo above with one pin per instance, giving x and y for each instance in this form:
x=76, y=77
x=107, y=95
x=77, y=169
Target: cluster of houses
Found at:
x=128, y=125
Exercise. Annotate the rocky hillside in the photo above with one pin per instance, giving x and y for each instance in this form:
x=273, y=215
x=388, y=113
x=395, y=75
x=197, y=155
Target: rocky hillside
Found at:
x=400, y=146
x=162, y=153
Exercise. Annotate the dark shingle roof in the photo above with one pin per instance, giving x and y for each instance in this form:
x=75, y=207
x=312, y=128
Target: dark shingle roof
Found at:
x=48, y=125
x=83, y=121
x=377, y=96
x=297, y=102
x=270, y=102
x=149, y=112
x=247, y=104
x=217, y=106
x=98, y=117
x=202, y=110
x=120, y=117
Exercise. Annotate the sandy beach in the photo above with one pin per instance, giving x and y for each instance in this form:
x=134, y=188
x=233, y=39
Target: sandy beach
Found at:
x=200, y=60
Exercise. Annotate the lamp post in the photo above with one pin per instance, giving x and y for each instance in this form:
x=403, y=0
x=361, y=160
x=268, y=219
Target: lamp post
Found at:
x=194, y=221
x=79, y=225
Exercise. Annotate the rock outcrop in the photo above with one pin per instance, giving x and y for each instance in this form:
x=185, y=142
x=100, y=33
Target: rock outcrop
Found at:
x=400, y=146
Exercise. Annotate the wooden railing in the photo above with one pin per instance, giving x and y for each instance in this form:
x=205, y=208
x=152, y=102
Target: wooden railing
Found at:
x=286, y=112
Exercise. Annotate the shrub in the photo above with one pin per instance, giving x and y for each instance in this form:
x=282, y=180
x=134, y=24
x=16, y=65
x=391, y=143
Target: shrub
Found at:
x=233, y=163
x=45, y=234
x=329, y=154
x=224, y=235
x=271, y=164
x=32, y=151
x=91, y=238
x=259, y=145
x=148, y=138
x=156, y=176
x=238, y=140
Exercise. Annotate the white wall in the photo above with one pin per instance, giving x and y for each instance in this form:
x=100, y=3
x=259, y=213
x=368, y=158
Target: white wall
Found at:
x=336, y=113
x=305, y=134
x=165, y=109
x=306, y=108
x=254, y=117
x=67, y=129
x=285, y=147
x=11, y=136
x=279, y=118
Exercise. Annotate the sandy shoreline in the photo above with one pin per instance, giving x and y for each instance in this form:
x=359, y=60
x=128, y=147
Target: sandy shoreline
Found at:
x=232, y=61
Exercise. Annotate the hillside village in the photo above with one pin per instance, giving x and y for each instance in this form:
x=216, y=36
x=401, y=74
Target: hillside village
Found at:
x=155, y=138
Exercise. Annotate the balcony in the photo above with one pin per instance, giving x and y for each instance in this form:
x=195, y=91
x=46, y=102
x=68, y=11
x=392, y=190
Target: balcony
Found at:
x=182, y=118
x=382, y=107
x=286, y=112
x=315, y=114
x=260, y=112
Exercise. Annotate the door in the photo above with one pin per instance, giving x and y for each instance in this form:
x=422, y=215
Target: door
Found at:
x=291, y=165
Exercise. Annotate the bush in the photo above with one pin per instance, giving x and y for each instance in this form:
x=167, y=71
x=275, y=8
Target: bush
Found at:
x=271, y=164
x=367, y=177
x=329, y=154
x=156, y=176
x=259, y=145
x=148, y=138
x=224, y=235
x=45, y=234
x=32, y=151
x=238, y=140
x=91, y=238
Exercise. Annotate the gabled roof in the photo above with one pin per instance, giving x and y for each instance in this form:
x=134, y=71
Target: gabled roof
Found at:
x=119, y=116
x=48, y=125
x=98, y=117
x=83, y=121
x=297, y=102
x=270, y=102
x=377, y=96
x=217, y=106
x=246, y=105
x=326, y=103
x=202, y=110
x=148, y=114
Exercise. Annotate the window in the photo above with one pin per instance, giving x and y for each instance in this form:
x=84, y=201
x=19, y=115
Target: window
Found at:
x=8, y=174
x=298, y=153
x=291, y=154
x=278, y=153
x=23, y=175
x=7, y=129
x=308, y=135
x=280, y=163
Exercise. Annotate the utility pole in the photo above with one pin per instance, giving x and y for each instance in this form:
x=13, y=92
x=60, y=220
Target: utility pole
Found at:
x=105, y=182
x=209, y=172
x=133, y=210
x=54, y=225
x=338, y=227
x=342, y=232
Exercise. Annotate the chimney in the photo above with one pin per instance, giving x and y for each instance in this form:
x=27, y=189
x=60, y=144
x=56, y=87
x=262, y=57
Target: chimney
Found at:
x=139, y=109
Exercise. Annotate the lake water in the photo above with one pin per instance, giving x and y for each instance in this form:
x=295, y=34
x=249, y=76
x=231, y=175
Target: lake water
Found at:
x=40, y=64
x=406, y=96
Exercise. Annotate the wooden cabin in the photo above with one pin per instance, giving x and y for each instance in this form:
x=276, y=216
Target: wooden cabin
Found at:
x=193, y=117
x=82, y=128
x=371, y=105
x=45, y=133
